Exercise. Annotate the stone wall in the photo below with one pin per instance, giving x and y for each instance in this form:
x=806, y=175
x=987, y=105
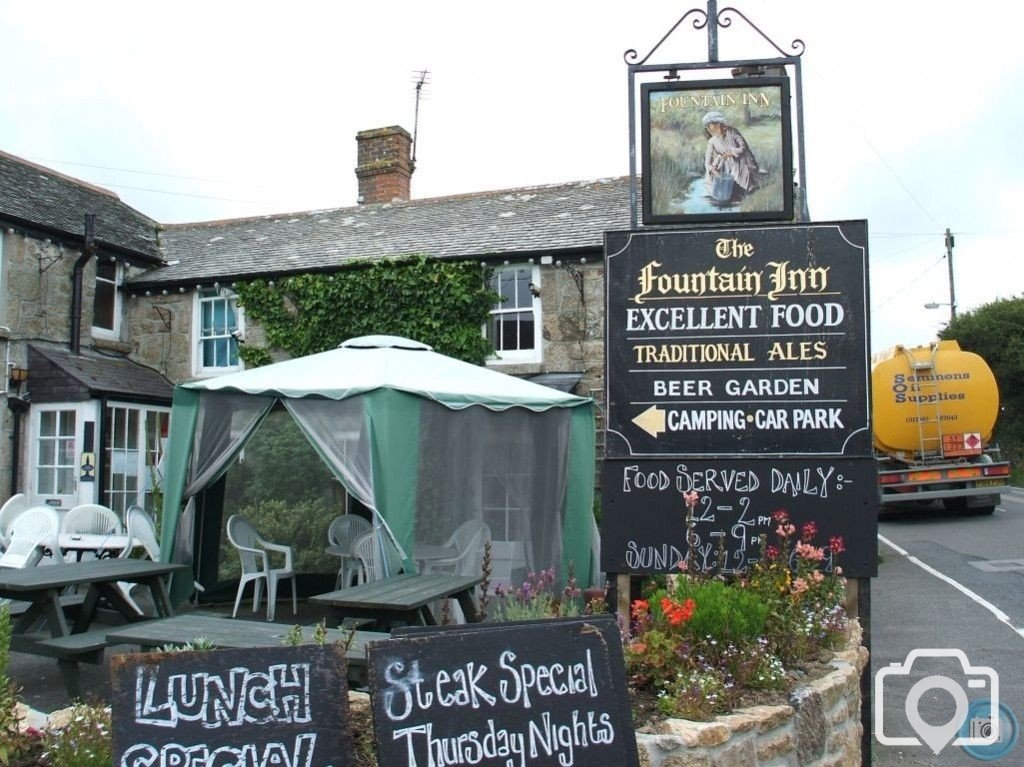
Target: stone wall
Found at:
x=161, y=333
x=572, y=300
x=820, y=727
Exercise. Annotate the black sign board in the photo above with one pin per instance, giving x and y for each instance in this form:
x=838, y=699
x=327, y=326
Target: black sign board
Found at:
x=738, y=341
x=532, y=694
x=644, y=515
x=261, y=706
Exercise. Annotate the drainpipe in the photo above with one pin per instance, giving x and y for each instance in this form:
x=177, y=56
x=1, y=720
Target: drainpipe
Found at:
x=88, y=251
x=18, y=408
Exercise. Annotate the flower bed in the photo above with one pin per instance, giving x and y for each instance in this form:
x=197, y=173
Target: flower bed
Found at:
x=819, y=726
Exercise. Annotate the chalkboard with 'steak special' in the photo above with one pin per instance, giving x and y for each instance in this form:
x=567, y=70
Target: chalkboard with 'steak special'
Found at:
x=282, y=706
x=738, y=341
x=538, y=694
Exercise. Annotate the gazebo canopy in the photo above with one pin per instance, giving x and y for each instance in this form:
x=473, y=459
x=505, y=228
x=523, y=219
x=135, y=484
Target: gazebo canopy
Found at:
x=423, y=440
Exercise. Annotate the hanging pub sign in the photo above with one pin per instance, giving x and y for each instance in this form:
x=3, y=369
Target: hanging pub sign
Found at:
x=738, y=342
x=717, y=150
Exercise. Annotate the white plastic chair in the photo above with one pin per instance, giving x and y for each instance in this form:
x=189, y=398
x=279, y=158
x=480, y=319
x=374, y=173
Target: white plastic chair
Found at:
x=340, y=537
x=12, y=507
x=252, y=549
x=468, y=540
x=91, y=519
x=141, y=531
x=34, y=530
x=373, y=567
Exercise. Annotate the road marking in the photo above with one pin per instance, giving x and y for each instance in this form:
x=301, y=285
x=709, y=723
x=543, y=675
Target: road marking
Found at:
x=999, y=614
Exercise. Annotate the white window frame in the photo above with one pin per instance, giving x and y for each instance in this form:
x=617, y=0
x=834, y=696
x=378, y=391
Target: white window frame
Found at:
x=143, y=463
x=118, y=307
x=78, y=492
x=223, y=294
x=520, y=356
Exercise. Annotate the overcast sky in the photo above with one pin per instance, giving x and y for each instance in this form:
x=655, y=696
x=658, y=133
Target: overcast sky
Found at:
x=207, y=110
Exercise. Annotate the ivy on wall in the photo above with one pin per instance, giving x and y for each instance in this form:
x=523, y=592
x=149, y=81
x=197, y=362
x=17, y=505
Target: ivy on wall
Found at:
x=440, y=303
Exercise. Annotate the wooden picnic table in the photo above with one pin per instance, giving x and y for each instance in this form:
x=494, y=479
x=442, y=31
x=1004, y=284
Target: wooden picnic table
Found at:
x=231, y=632
x=42, y=587
x=404, y=598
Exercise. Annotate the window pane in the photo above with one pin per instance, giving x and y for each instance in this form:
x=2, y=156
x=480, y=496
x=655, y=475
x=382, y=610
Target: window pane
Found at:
x=523, y=296
x=103, y=305
x=47, y=424
x=525, y=330
x=507, y=288
x=106, y=270
x=509, y=334
x=65, y=481
x=46, y=480
x=67, y=423
x=47, y=452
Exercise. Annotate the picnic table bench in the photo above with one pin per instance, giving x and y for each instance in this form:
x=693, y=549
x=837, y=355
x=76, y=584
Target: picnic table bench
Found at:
x=41, y=598
x=402, y=599
x=231, y=632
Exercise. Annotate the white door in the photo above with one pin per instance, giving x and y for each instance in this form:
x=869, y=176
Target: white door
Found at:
x=62, y=468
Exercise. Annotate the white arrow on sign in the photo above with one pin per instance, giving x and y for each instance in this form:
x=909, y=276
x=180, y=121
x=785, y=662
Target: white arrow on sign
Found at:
x=652, y=420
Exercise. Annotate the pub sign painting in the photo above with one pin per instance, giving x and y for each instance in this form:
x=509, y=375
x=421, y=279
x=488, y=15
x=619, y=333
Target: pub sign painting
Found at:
x=717, y=150
x=738, y=342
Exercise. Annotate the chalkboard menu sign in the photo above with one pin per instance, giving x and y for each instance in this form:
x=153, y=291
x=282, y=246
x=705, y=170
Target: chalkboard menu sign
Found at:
x=644, y=515
x=267, y=706
x=738, y=341
x=533, y=694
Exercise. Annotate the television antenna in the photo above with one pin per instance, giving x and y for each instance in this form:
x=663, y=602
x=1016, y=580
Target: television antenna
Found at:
x=421, y=80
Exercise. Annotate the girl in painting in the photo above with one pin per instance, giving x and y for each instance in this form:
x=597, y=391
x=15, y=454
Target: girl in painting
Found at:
x=730, y=167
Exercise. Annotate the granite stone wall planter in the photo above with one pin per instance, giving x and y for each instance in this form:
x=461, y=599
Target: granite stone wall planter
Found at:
x=820, y=727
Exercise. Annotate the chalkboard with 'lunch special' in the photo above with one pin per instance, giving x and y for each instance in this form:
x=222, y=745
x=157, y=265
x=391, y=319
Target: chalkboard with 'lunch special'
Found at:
x=535, y=694
x=282, y=706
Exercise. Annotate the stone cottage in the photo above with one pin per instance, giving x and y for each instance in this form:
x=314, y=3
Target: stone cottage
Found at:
x=98, y=326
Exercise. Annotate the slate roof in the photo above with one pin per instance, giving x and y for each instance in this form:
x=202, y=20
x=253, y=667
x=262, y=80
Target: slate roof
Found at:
x=38, y=197
x=525, y=221
x=103, y=374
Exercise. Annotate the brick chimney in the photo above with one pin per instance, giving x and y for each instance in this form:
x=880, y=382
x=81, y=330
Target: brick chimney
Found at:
x=384, y=165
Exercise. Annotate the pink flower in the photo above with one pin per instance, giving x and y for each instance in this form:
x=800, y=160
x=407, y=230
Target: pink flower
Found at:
x=817, y=576
x=807, y=551
x=838, y=570
x=799, y=586
x=690, y=499
x=682, y=565
x=785, y=530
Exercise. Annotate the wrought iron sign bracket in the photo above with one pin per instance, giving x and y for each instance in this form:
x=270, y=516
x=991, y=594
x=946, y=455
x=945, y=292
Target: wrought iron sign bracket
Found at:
x=712, y=20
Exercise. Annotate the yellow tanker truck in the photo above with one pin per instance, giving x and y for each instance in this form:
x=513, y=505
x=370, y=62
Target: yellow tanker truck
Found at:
x=933, y=411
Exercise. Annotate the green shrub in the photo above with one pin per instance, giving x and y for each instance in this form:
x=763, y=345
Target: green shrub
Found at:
x=724, y=612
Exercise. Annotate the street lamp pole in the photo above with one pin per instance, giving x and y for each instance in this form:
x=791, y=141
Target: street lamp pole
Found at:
x=949, y=263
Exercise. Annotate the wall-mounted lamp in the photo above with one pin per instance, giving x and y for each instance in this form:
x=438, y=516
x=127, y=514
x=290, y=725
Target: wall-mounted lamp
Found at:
x=17, y=377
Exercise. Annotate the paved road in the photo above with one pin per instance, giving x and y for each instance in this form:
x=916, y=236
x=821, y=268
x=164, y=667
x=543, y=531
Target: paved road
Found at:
x=948, y=581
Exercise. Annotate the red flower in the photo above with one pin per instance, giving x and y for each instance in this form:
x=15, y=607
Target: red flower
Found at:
x=808, y=532
x=677, y=613
x=836, y=544
x=780, y=515
x=771, y=552
x=640, y=608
